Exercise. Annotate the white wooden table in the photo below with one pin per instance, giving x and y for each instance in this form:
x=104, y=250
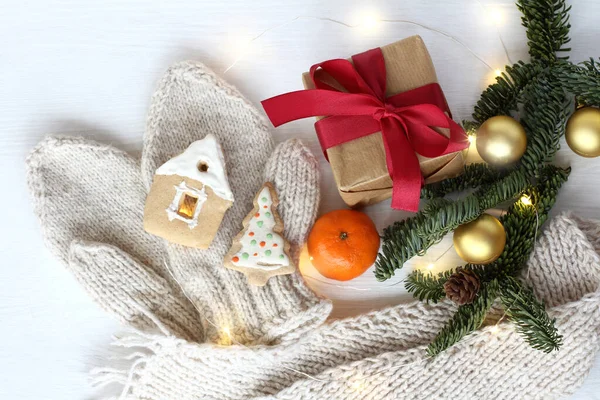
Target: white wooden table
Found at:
x=89, y=67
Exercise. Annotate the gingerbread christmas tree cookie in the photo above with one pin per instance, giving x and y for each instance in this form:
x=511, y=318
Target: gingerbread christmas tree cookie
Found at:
x=189, y=195
x=260, y=250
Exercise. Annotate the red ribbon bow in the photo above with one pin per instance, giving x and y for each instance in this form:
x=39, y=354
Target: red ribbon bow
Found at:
x=405, y=119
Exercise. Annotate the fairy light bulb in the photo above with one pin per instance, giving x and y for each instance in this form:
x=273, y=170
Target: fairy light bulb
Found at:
x=526, y=200
x=368, y=21
x=430, y=267
x=493, y=75
x=494, y=329
x=357, y=385
x=496, y=16
x=225, y=339
x=471, y=137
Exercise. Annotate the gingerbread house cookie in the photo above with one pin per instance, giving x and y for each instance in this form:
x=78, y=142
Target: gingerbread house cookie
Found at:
x=260, y=251
x=189, y=195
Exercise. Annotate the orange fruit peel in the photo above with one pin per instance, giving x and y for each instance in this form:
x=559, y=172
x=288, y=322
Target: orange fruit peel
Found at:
x=343, y=244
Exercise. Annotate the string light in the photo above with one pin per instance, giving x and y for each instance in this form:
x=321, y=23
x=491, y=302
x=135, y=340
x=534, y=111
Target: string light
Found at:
x=356, y=385
x=527, y=201
x=497, y=18
x=368, y=21
x=351, y=287
x=305, y=265
x=431, y=266
x=472, y=137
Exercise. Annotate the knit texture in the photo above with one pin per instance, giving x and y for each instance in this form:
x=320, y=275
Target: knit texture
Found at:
x=90, y=199
x=87, y=194
x=177, y=300
x=189, y=103
x=381, y=355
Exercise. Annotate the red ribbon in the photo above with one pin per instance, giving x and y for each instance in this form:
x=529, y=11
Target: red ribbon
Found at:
x=405, y=119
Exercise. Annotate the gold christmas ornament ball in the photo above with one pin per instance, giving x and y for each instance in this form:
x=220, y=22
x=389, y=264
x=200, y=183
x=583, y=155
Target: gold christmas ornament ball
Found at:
x=501, y=140
x=481, y=241
x=583, y=132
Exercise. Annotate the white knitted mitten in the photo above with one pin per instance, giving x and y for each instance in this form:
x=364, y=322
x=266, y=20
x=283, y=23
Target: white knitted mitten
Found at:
x=89, y=199
x=381, y=355
x=189, y=103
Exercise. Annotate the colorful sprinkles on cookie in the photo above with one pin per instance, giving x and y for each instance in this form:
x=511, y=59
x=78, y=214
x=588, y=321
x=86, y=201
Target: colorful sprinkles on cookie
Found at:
x=268, y=250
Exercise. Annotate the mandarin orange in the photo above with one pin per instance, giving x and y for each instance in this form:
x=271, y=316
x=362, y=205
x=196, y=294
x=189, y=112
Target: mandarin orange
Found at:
x=343, y=244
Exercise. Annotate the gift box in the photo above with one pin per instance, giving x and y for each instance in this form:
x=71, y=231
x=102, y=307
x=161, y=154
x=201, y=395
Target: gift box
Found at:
x=383, y=123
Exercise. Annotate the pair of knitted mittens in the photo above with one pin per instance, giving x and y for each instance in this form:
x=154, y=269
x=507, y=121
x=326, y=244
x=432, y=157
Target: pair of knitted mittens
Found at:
x=90, y=200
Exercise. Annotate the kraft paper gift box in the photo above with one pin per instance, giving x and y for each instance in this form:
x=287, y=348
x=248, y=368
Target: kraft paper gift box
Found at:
x=359, y=166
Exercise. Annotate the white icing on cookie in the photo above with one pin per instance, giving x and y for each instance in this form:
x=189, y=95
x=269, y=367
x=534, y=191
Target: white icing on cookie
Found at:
x=208, y=152
x=172, y=210
x=261, y=247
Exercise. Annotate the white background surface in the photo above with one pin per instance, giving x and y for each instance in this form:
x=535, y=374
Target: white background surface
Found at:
x=89, y=67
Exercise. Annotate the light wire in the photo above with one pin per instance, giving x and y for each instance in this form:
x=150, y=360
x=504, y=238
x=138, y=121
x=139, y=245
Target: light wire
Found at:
x=353, y=26
x=499, y=34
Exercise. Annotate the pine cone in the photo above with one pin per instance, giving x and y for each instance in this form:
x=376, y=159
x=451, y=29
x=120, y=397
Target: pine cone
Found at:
x=462, y=286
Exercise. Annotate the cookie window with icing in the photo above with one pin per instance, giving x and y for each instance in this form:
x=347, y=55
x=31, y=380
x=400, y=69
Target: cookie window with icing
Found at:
x=189, y=195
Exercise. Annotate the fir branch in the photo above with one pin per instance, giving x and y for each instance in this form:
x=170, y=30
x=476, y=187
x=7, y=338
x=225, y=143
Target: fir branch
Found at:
x=547, y=24
x=502, y=97
x=427, y=287
x=408, y=238
x=582, y=80
x=399, y=243
x=435, y=204
x=470, y=127
x=449, y=216
x=539, y=87
x=502, y=190
x=520, y=225
x=474, y=176
x=468, y=318
x=485, y=273
x=520, y=222
x=546, y=108
x=529, y=316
